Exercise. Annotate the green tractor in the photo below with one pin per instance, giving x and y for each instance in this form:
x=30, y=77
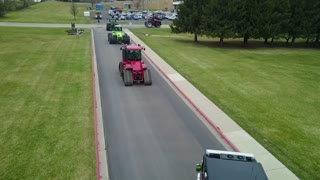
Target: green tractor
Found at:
x=112, y=22
x=118, y=36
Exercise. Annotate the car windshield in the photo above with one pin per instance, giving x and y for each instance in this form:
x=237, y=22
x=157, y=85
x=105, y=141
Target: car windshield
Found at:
x=117, y=28
x=134, y=55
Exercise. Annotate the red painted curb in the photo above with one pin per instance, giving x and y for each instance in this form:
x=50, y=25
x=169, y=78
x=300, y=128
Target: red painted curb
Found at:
x=95, y=112
x=233, y=147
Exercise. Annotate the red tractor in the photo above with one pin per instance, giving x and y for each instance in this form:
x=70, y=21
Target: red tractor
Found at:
x=152, y=22
x=132, y=68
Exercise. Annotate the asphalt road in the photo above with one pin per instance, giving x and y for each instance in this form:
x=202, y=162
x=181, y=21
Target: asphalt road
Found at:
x=150, y=132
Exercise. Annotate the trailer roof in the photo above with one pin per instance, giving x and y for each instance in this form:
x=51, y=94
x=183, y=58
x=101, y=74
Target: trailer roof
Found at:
x=222, y=169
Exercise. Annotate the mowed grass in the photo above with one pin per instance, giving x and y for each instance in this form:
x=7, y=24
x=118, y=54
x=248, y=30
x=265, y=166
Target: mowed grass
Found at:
x=274, y=94
x=49, y=12
x=46, y=105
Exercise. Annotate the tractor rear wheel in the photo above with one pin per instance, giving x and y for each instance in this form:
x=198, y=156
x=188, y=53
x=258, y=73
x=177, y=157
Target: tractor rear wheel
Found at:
x=126, y=39
x=111, y=40
x=114, y=40
x=121, y=69
x=109, y=36
x=147, y=77
x=127, y=78
x=148, y=24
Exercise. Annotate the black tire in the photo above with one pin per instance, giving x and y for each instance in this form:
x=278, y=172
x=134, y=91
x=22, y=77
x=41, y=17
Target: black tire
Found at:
x=126, y=39
x=147, y=77
x=109, y=36
x=148, y=24
x=114, y=40
x=127, y=78
x=121, y=69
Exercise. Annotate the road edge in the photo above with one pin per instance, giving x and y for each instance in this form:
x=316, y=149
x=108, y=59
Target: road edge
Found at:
x=102, y=172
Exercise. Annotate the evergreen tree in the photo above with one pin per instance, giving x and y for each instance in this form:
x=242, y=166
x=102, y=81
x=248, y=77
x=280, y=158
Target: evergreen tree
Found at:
x=311, y=19
x=218, y=18
x=189, y=18
x=317, y=23
x=246, y=21
x=273, y=15
x=296, y=24
x=2, y=9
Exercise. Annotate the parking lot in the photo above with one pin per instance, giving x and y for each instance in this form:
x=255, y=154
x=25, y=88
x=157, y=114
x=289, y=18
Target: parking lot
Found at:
x=133, y=16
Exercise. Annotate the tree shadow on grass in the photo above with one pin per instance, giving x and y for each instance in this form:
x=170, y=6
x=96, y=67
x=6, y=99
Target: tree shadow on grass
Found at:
x=253, y=44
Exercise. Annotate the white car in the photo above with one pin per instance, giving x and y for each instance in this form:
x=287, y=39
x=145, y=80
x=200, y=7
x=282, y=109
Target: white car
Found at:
x=172, y=16
x=122, y=17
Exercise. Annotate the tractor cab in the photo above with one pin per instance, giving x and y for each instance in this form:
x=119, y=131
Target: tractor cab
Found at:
x=117, y=28
x=131, y=53
x=132, y=68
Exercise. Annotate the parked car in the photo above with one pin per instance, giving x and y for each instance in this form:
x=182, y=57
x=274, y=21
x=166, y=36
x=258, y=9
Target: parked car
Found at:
x=117, y=11
x=122, y=17
x=136, y=17
x=110, y=12
x=172, y=17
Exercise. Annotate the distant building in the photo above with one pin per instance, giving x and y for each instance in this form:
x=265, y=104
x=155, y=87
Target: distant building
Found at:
x=176, y=3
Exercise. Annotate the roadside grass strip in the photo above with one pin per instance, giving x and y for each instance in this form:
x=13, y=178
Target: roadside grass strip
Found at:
x=49, y=12
x=46, y=105
x=272, y=93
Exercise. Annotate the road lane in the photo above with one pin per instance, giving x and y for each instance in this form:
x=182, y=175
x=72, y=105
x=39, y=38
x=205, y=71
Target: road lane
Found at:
x=150, y=132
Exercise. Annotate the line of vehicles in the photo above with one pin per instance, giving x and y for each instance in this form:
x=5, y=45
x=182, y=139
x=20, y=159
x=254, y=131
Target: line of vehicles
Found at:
x=215, y=164
x=132, y=69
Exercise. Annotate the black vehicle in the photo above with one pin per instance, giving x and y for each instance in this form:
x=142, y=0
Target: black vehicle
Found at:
x=98, y=15
x=227, y=165
x=110, y=25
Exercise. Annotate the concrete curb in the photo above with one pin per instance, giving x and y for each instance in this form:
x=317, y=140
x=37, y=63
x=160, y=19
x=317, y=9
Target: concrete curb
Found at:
x=101, y=152
x=218, y=120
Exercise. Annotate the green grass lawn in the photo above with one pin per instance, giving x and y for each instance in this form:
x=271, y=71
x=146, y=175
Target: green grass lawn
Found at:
x=49, y=12
x=46, y=111
x=273, y=93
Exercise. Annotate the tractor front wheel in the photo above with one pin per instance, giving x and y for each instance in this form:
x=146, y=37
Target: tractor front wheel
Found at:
x=147, y=77
x=127, y=78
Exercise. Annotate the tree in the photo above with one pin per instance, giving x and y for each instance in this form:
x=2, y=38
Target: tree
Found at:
x=218, y=18
x=296, y=22
x=311, y=19
x=317, y=23
x=92, y=2
x=74, y=10
x=2, y=9
x=246, y=22
x=190, y=18
x=273, y=15
x=25, y=3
